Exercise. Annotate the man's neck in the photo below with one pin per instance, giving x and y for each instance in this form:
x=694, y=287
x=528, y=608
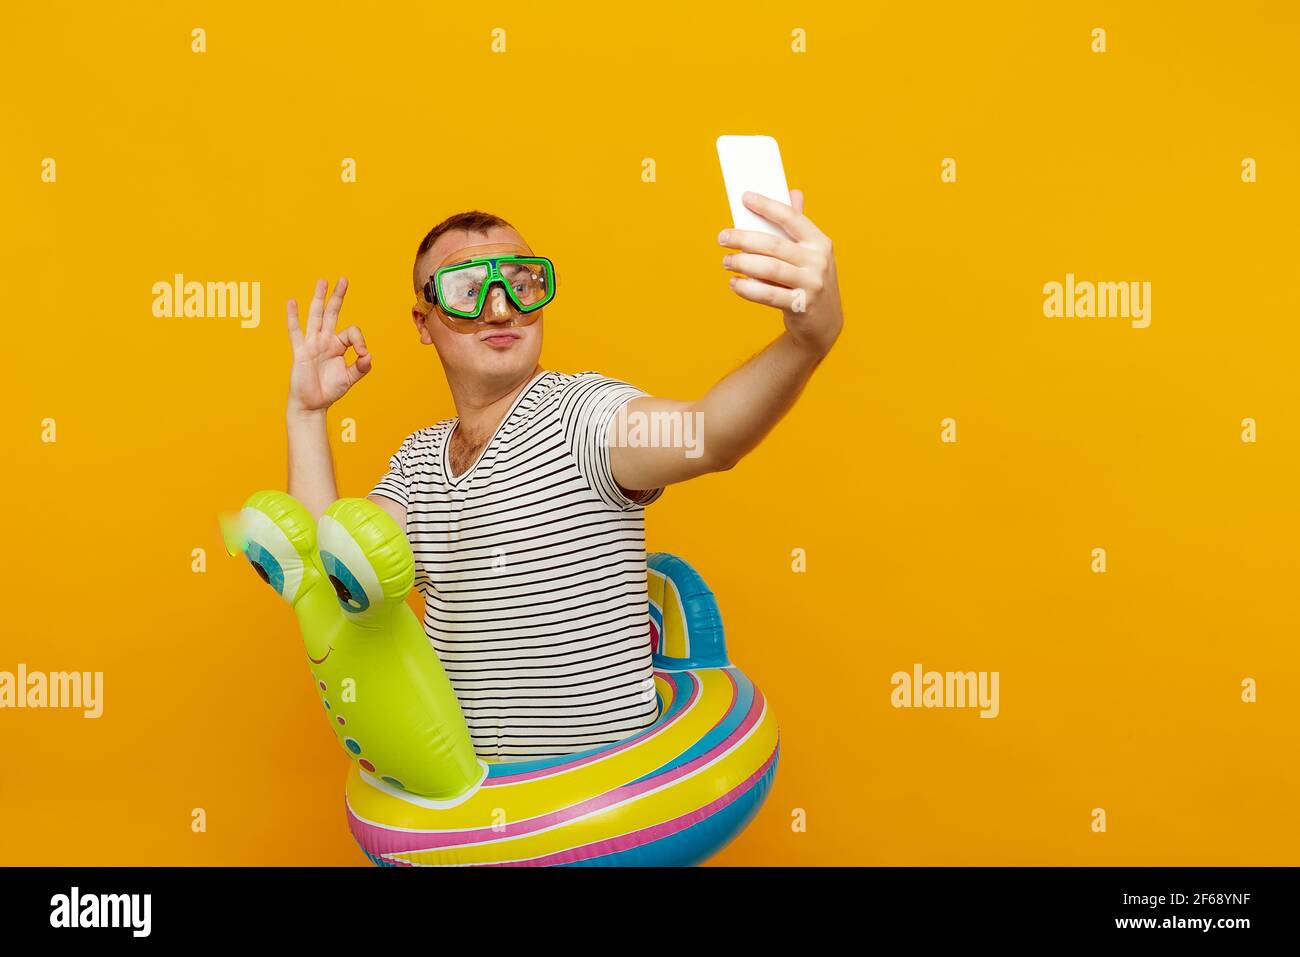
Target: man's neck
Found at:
x=480, y=411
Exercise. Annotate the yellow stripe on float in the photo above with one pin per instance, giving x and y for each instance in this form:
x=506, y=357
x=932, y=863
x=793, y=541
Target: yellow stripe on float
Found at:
x=675, y=631
x=655, y=586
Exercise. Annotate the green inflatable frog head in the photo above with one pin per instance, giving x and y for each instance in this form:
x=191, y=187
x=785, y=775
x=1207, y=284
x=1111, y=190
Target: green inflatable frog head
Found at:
x=380, y=682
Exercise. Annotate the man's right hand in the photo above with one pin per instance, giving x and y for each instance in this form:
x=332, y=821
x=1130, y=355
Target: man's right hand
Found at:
x=321, y=375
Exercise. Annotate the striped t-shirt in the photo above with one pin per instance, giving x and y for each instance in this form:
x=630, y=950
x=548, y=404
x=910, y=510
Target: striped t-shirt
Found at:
x=533, y=569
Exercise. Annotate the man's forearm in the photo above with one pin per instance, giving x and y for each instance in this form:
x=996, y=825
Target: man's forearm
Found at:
x=311, y=467
x=741, y=409
x=733, y=417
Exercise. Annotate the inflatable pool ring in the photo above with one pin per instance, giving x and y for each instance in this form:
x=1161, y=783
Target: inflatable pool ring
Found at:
x=416, y=794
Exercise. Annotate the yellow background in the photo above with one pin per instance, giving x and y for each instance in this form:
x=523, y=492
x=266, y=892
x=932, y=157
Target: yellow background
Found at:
x=1119, y=691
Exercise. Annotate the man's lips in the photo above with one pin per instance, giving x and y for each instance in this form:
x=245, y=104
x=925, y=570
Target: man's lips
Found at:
x=498, y=338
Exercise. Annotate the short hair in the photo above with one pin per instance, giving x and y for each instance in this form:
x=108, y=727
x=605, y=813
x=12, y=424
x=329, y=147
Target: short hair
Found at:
x=471, y=221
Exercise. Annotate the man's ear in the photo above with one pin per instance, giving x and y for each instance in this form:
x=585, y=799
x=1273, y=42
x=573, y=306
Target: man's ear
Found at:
x=422, y=324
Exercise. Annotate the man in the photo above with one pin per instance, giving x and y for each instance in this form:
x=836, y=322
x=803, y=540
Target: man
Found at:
x=525, y=511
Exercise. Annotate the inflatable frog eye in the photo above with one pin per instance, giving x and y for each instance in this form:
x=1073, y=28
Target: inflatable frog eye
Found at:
x=349, y=572
x=279, y=539
x=365, y=556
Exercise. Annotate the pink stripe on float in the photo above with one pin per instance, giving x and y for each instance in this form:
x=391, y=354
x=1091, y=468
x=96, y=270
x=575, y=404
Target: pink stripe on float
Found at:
x=647, y=835
x=393, y=841
x=653, y=731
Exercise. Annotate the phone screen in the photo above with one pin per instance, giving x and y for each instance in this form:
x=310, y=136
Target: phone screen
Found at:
x=752, y=163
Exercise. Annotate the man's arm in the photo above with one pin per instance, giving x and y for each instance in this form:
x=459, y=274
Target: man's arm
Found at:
x=795, y=275
x=319, y=378
x=311, y=467
x=395, y=509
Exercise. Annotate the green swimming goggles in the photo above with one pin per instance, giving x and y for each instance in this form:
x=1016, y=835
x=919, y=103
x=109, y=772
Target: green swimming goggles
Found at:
x=460, y=290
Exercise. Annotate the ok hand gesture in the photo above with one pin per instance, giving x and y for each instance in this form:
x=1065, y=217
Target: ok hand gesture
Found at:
x=321, y=375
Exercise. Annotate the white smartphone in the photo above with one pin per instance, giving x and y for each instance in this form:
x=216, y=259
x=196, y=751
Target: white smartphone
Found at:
x=752, y=163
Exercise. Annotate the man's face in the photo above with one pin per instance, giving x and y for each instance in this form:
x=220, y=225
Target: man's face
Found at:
x=499, y=352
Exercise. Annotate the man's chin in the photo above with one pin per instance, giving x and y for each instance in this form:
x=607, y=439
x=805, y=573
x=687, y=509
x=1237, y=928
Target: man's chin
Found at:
x=512, y=364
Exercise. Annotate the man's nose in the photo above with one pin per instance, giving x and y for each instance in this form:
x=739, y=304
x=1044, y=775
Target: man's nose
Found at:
x=498, y=308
